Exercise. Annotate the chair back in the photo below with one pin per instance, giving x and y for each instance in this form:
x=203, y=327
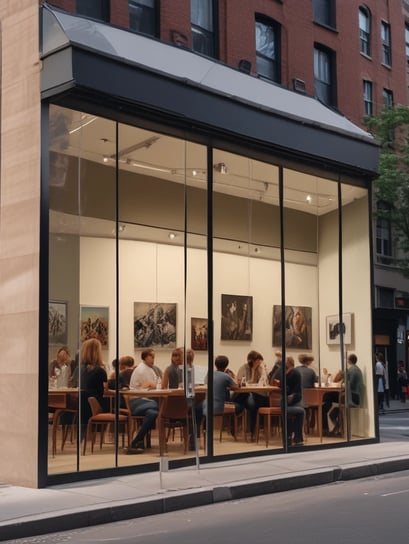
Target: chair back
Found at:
x=95, y=406
x=175, y=408
x=275, y=399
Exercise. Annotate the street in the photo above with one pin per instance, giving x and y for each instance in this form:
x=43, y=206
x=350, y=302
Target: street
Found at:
x=366, y=511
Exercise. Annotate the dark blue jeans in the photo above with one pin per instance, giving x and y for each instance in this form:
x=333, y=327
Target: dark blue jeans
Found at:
x=147, y=408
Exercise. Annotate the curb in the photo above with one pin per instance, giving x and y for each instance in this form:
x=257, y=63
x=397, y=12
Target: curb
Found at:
x=49, y=523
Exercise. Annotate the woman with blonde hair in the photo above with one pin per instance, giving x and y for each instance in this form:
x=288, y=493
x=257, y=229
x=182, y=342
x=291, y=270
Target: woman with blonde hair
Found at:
x=93, y=380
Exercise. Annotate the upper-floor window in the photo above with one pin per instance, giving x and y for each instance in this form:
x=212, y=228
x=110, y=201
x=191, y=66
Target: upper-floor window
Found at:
x=386, y=43
x=324, y=75
x=143, y=16
x=268, y=49
x=365, y=30
x=96, y=9
x=383, y=233
x=407, y=41
x=203, y=27
x=324, y=12
x=368, y=97
x=387, y=97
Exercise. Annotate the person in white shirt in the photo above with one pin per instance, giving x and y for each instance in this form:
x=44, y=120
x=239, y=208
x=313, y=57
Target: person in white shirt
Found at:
x=380, y=382
x=143, y=377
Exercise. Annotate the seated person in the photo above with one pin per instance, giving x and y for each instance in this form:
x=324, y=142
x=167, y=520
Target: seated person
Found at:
x=354, y=388
x=254, y=372
x=143, y=377
x=223, y=383
x=126, y=366
x=172, y=376
x=295, y=408
x=330, y=398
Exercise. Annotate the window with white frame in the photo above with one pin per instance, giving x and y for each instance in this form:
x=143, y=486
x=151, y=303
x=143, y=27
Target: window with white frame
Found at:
x=407, y=41
x=368, y=97
x=143, y=16
x=324, y=70
x=386, y=43
x=203, y=27
x=324, y=12
x=365, y=30
x=268, y=49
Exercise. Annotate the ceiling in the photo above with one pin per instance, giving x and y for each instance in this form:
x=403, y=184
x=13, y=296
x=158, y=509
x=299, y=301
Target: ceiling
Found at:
x=179, y=161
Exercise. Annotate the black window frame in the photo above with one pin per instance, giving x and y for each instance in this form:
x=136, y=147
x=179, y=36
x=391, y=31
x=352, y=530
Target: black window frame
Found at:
x=202, y=36
x=368, y=97
x=274, y=63
x=329, y=97
x=324, y=12
x=364, y=34
x=87, y=7
x=387, y=98
x=149, y=18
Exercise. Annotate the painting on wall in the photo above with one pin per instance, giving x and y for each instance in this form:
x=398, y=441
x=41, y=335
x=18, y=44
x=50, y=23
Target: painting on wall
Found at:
x=297, y=320
x=57, y=322
x=95, y=323
x=237, y=317
x=199, y=334
x=154, y=325
x=334, y=327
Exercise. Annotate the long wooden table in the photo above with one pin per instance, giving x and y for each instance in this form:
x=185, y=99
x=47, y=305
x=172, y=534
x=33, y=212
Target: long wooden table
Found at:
x=314, y=397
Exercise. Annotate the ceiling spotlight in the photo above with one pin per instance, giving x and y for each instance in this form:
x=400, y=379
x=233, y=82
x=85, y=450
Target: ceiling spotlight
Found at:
x=171, y=235
x=309, y=199
x=194, y=172
x=220, y=167
x=257, y=250
x=105, y=159
x=121, y=228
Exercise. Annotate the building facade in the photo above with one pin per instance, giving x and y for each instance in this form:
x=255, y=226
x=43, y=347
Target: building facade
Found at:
x=168, y=178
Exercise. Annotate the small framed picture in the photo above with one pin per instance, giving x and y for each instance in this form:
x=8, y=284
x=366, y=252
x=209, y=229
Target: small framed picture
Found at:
x=335, y=327
x=57, y=322
x=95, y=323
x=199, y=334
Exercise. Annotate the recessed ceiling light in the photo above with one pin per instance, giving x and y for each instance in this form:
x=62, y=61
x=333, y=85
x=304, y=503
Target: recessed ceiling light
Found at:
x=171, y=235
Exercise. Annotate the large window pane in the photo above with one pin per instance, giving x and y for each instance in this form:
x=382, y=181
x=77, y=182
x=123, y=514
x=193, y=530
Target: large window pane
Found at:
x=81, y=284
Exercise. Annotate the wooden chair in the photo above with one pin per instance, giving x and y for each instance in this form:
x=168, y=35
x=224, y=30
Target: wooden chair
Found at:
x=313, y=410
x=99, y=421
x=230, y=419
x=66, y=426
x=273, y=411
x=173, y=414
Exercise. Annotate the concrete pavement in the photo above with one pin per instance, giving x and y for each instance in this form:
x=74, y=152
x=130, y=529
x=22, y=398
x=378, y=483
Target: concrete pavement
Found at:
x=28, y=512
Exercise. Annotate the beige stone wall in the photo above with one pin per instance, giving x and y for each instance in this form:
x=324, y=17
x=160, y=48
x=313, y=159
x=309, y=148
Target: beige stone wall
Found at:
x=19, y=240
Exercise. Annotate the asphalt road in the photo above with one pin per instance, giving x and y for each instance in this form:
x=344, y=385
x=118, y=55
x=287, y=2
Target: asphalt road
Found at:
x=367, y=511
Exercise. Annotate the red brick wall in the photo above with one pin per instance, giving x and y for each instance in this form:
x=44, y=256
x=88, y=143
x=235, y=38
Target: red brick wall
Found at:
x=299, y=33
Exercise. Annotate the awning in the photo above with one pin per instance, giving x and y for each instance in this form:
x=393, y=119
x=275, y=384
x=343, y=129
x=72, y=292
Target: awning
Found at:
x=85, y=57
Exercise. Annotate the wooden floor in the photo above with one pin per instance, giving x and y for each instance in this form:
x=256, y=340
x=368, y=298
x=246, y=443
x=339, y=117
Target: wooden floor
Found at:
x=66, y=461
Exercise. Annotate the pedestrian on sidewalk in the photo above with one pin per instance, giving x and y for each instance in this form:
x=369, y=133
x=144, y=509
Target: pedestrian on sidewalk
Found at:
x=402, y=380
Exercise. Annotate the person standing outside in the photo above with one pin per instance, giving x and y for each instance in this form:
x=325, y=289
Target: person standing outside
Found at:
x=143, y=377
x=380, y=383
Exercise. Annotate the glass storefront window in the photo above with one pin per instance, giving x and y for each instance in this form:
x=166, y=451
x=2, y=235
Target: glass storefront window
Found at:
x=157, y=243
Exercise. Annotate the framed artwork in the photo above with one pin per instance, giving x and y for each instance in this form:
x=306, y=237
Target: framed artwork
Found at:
x=57, y=322
x=154, y=325
x=237, y=317
x=199, y=334
x=94, y=322
x=298, y=333
x=334, y=328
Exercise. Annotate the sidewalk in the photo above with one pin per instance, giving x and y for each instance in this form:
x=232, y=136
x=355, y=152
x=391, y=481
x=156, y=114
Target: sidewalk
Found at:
x=28, y=512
